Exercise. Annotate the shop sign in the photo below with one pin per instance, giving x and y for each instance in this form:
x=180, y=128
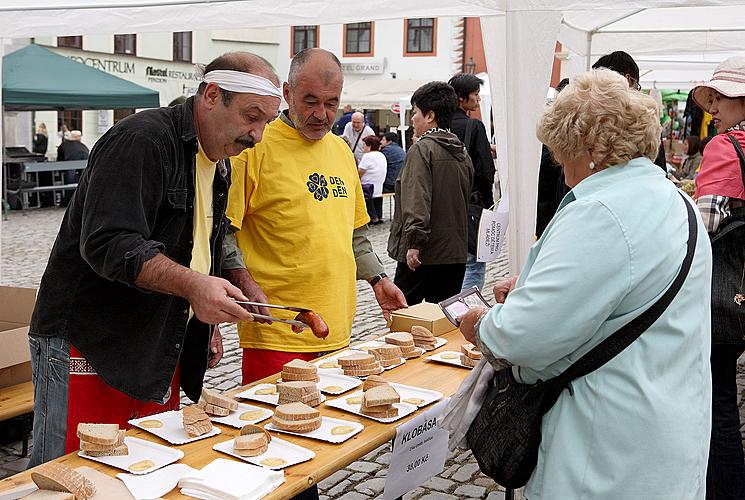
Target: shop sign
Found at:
x=396, y=107
x=419, y=451
x=373, y=67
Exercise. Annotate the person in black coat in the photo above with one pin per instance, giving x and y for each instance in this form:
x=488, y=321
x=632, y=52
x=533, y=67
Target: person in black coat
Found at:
x=472, y=134
x=71, y=149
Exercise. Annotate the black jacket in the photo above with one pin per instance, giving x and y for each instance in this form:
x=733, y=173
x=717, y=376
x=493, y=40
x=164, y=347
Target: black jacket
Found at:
x=479, y=150
x=135, y=199
x=72, y=150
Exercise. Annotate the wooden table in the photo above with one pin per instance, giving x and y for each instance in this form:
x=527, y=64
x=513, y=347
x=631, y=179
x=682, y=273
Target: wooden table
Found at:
x=329, y=457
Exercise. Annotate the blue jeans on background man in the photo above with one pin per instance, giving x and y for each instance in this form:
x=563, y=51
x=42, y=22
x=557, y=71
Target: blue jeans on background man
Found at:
x=50, y=364
x=475, y=272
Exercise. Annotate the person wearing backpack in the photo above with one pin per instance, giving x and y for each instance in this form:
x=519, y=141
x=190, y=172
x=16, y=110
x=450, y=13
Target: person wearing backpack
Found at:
x=720, y=196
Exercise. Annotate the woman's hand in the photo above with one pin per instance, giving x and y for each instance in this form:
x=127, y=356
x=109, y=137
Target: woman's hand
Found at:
x=412, y=259
x=503, y=288
x=468, y=323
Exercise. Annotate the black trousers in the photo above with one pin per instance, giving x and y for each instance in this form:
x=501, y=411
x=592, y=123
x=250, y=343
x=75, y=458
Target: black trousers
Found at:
x=374, y=208
x=725, y=478
x=432, y=283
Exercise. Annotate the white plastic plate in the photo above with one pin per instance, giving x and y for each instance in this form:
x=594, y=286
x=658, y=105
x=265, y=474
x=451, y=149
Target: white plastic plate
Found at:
x=234, y=418
x=444, y=357
x=173, y=428
x=323, y=433
x=140, y=449
x=342, y=403
x=278, y=448
x=410, y=392
x=272, y=399
x=345, y=382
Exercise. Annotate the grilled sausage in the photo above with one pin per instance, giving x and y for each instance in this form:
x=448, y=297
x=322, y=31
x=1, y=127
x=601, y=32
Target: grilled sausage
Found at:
x=319, y=327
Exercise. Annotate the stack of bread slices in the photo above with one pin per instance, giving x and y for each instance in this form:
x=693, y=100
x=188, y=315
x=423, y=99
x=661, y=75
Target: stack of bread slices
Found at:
x=216, y=404
x=405, y=341
x=378, y=401
x=423, y=338
x=387, y=355
x=470, y=355
x=299, y=370
x=102, y=440
x=360, y=365
x=299, y=390
x=60, y=482
x=296, y=417
x=372, y=381
x=252, y=441
x=196, y=421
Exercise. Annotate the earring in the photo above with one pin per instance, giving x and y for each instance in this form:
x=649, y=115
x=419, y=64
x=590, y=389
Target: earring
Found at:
x=592, y=165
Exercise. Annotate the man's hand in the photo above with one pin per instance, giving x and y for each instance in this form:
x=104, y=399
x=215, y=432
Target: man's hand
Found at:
x=210, y=298
x=503, y=288
x=243, y=280
x=412, y=259
x=389, y=297
x=216, y=350
x=468, y=323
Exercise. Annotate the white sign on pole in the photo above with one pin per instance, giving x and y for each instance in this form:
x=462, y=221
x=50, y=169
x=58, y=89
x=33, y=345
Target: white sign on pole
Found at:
x=493, y=231
x=419, y=451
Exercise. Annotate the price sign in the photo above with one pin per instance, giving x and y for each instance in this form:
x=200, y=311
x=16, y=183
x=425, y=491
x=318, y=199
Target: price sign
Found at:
x=419, y=451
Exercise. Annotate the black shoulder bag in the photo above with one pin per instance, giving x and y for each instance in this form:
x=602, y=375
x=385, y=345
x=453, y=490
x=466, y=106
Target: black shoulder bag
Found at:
x=475, y=206
x=506, y=433
x=728, y=273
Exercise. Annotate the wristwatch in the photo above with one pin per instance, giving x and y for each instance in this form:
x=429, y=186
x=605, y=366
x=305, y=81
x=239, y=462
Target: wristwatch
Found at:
x=375, y=279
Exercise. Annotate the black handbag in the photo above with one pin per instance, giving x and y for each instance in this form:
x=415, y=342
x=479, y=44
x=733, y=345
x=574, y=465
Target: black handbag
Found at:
x=506, y=433
x=728, y=273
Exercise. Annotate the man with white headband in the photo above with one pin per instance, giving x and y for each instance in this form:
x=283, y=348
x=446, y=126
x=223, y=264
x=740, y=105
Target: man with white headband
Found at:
x=297, y=202
x=127, y=304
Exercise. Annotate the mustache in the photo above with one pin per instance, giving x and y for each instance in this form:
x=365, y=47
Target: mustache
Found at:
x=246, y=142
x=314, y=121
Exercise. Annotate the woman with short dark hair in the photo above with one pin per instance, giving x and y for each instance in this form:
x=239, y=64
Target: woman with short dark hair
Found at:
x=429, y=236
x=372, y=169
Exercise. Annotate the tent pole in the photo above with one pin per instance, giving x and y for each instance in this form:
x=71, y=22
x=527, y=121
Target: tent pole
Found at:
x=3, y=180
x=588, y=57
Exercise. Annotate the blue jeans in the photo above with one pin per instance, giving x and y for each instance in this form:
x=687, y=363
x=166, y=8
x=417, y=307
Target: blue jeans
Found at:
x=50, y=363
x=475, y=272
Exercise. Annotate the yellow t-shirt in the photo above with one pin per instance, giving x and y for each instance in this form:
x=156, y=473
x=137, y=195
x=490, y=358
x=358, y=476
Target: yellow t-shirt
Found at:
x=297, y=203
x=201, y=254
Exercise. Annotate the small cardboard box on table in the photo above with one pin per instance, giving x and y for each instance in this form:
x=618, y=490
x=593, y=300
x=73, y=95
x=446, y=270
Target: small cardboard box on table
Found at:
x=16, y=306
x=426, y=314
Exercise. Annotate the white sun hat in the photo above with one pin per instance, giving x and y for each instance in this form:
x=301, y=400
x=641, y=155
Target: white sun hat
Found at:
x=728, y=80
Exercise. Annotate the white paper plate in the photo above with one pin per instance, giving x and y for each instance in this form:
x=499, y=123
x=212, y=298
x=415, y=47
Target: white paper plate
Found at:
x=140, y=449
x=234, y=420
x=173, y=428
x=341, y=403
x=272, y=399
x=337, y=369
x=409, y=391
x=334, y=379
x=278, y=448
x=454, y=361
x=323, y=433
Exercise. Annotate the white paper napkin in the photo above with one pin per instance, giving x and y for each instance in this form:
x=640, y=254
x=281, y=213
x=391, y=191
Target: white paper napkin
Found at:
x=224, y=479
x=157, y=483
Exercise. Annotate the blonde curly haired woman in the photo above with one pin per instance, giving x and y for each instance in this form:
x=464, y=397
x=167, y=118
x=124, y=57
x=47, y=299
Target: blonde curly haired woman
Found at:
x=637, y=427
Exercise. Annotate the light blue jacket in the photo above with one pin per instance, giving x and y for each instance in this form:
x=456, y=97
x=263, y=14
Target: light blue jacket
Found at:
x=639, y=426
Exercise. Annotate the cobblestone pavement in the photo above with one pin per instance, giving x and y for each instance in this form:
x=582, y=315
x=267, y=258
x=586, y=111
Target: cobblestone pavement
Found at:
x=26, y=243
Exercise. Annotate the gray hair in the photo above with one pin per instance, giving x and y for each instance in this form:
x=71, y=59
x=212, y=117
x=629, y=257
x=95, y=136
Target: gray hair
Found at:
x=302, y=57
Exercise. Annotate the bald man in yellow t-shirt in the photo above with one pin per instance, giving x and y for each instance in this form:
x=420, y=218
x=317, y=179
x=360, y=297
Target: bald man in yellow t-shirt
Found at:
x=296, y=202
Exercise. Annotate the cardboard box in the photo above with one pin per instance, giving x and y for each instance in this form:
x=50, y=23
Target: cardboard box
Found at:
x=428, y=315
x=16, y=306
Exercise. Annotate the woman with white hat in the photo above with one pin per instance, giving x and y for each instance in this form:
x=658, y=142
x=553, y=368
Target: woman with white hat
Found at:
x=720, y=188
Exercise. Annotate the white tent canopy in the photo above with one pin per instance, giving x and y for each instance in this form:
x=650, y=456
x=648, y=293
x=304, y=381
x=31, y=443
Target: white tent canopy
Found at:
x=519, y=38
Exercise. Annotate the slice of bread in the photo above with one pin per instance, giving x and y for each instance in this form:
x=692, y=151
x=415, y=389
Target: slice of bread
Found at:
x=86, y=446
x=390, y=362
x=192, y=414
x=366, y=372
x=307, y=425
x=49, y=495
x=387, y=351
x=372, y=381
x=216, y=399
x=415, y=352
x=255, y=452
x=356, y=360
x=250, y=441
x=210, y=409
x=116, y=451
x=307, y=398
x=55, y=476
x=471, y=351
x=384, y=413
x=99, y=433
x=297, y=389
x=421, y=332
x=299, y=366
x=300, y=377
x=400, y=338
x=465, y=360
x=255, y=429
x=380, y=395
x=296, y=411
x=198, y=428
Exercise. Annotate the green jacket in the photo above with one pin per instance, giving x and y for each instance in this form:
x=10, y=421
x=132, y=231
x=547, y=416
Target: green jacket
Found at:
x=432, y=195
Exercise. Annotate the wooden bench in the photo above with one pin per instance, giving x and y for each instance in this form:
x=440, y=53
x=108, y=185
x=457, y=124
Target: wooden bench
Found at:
x=18, y=401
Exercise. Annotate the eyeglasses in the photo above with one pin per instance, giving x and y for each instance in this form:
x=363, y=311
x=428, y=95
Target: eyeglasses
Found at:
x=634, y=83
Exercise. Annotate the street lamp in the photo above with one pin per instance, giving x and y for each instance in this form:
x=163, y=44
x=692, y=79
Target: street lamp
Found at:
x=470, y=66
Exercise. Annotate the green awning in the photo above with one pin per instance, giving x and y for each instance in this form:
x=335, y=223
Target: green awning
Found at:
x=35, y=78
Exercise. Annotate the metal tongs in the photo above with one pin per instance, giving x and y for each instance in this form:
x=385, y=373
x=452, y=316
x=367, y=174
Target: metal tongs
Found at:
x=292, y=322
